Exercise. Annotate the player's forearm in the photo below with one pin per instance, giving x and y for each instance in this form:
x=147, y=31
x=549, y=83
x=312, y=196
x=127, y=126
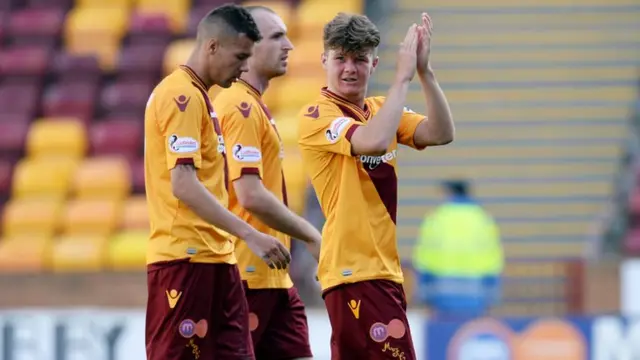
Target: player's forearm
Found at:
x=273, y=213
x=191, y=192
x=440, y=129
x=382, y=128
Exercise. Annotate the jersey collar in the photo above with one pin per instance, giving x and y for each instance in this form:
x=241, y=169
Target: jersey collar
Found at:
x=253, y=91
x=364, y=113
x=194, y=77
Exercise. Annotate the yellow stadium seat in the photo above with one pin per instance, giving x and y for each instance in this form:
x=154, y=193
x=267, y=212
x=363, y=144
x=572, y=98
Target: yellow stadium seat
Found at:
x=92, y=217
x=65, y=137
x=81, y=253
x=103, y=177
x=96, y=30
x=176, y=10
x=99, y=3
x=177, y=54
x=43, y=177
x=287, y=123
x=127, y=250
x=296, y=181
x=33, y=217
x=312, y=15
x=24, y=253
x=305, y=59
x=135, y=215
x=292, y=94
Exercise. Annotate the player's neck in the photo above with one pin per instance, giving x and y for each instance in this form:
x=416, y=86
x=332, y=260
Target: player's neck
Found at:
x=258, y=82
x=199, y=69
x=355, y=99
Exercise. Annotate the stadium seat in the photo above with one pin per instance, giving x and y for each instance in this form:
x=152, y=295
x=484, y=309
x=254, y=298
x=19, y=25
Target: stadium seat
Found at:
x=6, y=174
x=292, y=94
x=287, y=124
x=135, y=215
x=127, y=251
x=296, y=181
x=68, y=67
x=27, y=60
x=177, y=11
x=24, y=254
x=13, y=135
x=45, y=177
x=282, y=8
x=56, y=136
x=104, y=177
x=304, y=60
x=34, y=25
x=91, y=217
x=126, y=4
x=119, y=136
x=96, y=30
x=26, y=104
x=75, y=99
x=137, y=175
x=149, y=29
x=142, y=60
x=177, y=54
x=32, y=217
x=313, y=15
x=78, y=253
x=126, y=96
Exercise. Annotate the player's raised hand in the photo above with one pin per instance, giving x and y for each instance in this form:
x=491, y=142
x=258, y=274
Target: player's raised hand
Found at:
x=424, y=44
x=269, y=249
x=407, y=55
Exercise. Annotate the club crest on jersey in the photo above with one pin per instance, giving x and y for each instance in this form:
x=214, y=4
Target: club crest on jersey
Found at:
x=336, y=128
x=313, y=112
x=182, y=102
x=181, y=145
x=246, y=153
x=372, y=162
x=245, y=109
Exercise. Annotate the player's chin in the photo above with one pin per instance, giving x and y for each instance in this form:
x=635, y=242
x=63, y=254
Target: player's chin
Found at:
x=227, y=84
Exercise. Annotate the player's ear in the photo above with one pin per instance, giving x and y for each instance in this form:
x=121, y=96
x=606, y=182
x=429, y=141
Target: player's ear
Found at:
x=374, y=64
x=323, y=59
x=212, y=46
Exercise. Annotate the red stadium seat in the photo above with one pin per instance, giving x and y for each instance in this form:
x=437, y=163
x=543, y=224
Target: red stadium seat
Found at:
x=6, y=174
x=19, y=98
x=126, y=96
x=117, y=137
x=137, y=175
x=195, y=15
x=13, y=136
x=34, y=25
x=151, y=29
x=69, y=67
x=24, y=60
x=70, y=99
x=141, y=60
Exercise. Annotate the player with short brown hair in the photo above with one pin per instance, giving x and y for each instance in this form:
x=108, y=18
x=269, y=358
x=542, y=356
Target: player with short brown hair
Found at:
x=349, y=146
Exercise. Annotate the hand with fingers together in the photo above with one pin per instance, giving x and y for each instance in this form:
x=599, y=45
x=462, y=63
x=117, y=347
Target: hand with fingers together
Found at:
x=407, y=56
x=424, y=44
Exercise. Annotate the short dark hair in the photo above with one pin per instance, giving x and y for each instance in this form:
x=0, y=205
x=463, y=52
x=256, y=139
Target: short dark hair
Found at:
x=351, y=33
x=232, y=17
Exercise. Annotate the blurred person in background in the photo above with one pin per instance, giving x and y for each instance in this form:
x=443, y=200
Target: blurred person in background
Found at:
x=348, y=143
x=458, y=257
x=258, y=195
x=196, y=303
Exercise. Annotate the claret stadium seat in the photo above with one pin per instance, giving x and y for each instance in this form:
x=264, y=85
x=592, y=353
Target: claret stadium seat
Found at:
x=117, y=136
x=71, y=98
x=176, y=10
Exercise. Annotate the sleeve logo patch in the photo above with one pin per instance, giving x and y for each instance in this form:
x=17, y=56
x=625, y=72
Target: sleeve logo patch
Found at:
x=336, y=128
x=182, y=102
x=246, y=153
x=245, y=109
x=182, y=145
x=313, y=112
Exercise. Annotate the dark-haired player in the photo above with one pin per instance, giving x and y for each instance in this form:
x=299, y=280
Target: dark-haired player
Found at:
x=349, y=147
x=196, y=306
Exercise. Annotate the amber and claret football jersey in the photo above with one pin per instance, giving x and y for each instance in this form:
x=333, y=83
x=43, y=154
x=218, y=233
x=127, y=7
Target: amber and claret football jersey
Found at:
x=358, y=193
x=254, y=148
x=181, y=128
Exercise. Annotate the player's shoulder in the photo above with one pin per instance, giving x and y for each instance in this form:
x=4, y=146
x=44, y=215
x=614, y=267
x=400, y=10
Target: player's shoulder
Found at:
x=321, y=108
x=375, y=101
x=175, y=88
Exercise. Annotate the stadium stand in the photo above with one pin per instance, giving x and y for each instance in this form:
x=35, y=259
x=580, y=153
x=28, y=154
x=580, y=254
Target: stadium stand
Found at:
x=539, y=91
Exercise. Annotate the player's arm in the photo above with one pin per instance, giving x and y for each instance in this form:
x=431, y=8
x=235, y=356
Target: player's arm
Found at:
x=180, y=121
x=376, y=136
x=438, y=127
x=243, y=131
